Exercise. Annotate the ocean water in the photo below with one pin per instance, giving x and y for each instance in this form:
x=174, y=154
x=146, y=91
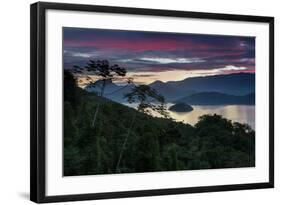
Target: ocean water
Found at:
x=235, y=113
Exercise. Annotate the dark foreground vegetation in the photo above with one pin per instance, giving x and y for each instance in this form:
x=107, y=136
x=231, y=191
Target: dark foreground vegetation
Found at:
x=154, y=144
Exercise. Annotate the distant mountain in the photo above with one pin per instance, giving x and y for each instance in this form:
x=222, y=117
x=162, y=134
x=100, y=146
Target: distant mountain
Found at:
x=216, y=98
x=96, y=87
x=111, y=91
x=170, y=90
x=233, y=84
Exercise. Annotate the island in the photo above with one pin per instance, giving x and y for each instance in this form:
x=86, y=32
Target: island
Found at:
x=181, y=107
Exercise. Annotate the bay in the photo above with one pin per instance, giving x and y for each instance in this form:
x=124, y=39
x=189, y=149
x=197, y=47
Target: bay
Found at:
x=235, y=113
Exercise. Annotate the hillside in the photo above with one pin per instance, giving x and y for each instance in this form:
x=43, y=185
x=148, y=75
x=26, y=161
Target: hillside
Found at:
x=154, y=144
x=216, y=98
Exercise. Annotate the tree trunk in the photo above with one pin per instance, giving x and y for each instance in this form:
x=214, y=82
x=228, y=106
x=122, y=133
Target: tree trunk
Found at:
x=98, y=106
x=95, y=115
x=125, y=141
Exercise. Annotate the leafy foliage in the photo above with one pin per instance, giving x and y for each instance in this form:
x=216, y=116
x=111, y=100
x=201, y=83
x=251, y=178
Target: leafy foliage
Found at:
x=101, y=70
x=148, y=99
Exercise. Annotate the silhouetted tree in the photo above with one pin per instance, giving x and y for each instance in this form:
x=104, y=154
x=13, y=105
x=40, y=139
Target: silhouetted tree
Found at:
x=148, y=100
x=100, y=71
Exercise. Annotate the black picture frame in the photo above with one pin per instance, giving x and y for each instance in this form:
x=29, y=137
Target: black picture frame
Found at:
x=38, y=101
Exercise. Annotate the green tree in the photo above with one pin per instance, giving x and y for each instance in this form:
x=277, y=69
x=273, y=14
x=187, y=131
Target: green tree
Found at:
x=223, y=143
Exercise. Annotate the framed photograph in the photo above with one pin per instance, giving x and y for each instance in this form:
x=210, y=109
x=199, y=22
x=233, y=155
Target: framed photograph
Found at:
x=129, y=102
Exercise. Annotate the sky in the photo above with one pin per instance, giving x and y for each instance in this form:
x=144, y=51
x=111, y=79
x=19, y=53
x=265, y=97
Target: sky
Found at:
x=150, y=56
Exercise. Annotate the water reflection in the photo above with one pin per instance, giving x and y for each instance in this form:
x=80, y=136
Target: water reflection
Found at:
x=236, y=113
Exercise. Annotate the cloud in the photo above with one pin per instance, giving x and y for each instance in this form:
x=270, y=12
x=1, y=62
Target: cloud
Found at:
x=140, y=51
x=160, y=60
x=83, y=55
x=143, y=75
x=173, y=60
x=228, y=69
x=231, y=67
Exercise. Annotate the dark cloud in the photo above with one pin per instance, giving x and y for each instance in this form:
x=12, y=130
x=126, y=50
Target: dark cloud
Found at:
x=141, y=51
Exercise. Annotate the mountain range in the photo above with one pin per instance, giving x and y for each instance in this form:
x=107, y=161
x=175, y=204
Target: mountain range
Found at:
x=216, y=98
x=233, y=84
x=236, y=88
